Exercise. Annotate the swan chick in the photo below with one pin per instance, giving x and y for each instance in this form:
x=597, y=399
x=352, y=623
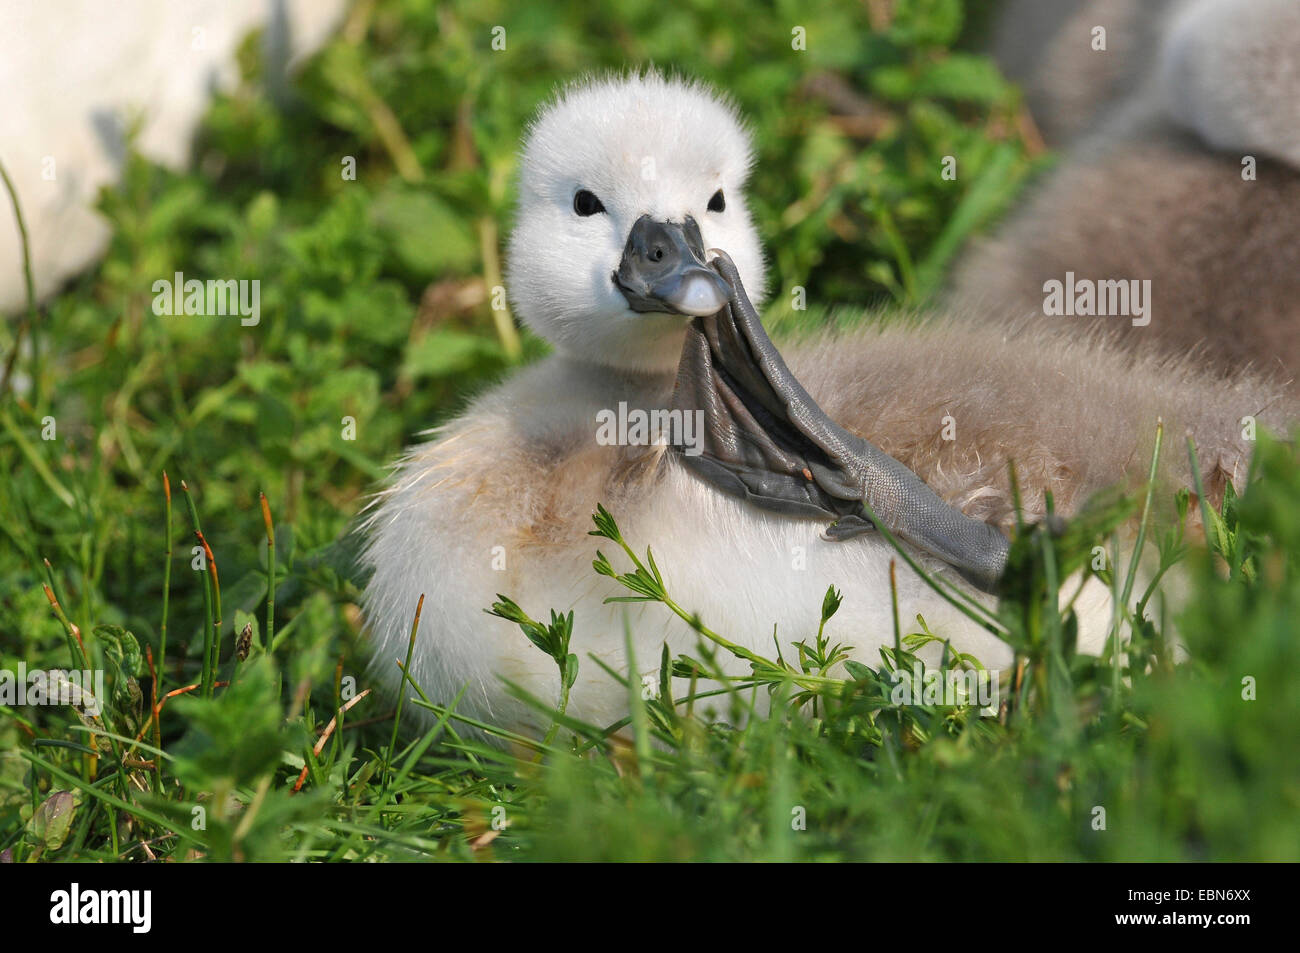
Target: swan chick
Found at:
x=500, y=499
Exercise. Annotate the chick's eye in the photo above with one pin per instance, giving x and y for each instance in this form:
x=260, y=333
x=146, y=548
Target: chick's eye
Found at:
x=585, y=203
x=717, y=203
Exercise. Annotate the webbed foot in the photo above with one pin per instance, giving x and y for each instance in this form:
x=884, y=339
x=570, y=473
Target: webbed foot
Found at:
x=767, y=440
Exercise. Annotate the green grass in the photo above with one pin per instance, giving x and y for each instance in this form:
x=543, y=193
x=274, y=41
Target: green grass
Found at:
x=374, y=309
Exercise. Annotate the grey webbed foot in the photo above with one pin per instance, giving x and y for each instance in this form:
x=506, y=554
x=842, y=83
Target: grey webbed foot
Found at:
x=766, y=440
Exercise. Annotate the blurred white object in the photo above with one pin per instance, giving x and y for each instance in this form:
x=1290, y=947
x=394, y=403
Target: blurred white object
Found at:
x=1230, y=71
x=76, y=73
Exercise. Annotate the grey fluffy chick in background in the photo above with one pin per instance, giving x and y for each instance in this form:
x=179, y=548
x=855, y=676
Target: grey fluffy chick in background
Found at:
x=1181, y=165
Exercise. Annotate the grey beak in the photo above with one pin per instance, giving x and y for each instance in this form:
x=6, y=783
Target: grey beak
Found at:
x=663, y=270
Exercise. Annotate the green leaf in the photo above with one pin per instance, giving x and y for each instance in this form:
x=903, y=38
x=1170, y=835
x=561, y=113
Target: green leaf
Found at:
x=236, y=736
x=926, y=22
x=121, y=648
x=962, y=77
x=424, y=233
x=831, y=603
x=53, y=819
x=447, y=352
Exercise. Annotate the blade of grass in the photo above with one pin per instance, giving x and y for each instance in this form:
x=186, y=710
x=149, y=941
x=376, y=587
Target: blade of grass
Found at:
x=167, y=588
x=207, y=676
x=214, y=648
x=270, y=572
x=401, y=696
x=28, y=324
x=1146, y=510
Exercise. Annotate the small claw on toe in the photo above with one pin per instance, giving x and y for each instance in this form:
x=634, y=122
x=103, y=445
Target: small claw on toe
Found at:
x=847, y=527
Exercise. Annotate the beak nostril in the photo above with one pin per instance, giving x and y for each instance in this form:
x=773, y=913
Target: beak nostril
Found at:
x=663, y=270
